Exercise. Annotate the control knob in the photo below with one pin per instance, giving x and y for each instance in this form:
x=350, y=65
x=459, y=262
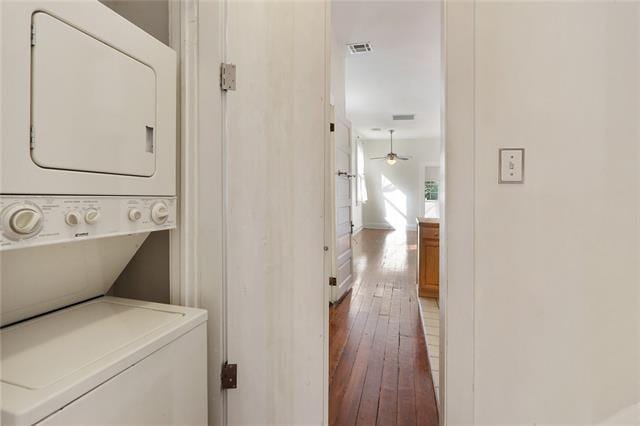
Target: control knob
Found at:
x=72, y=218
x=91, y=216
x=159, y=213
x=22, y=221
x=135, y=215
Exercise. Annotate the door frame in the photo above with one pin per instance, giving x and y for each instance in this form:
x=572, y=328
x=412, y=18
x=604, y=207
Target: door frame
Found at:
x=458, y=402
x=457, y=298
x=328, y=177
x=197, y=244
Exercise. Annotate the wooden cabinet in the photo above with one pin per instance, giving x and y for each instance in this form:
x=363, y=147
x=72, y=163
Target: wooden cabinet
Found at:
x=428, y=257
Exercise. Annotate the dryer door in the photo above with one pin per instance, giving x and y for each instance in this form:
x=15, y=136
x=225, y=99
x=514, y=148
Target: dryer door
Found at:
x=93, y=106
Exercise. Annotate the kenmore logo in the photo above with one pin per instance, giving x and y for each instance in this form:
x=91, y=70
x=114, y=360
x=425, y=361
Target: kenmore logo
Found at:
x=82, y=234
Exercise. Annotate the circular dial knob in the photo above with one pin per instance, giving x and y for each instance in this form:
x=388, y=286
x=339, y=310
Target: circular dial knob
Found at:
x=91, y=216
x=25, y=221
x=22, y=220
x=72, y=218
x=159, y=213
x=135, y=215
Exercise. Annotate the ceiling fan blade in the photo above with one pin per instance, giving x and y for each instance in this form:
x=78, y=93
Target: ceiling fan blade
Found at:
x=378, y=158
x=403, y=158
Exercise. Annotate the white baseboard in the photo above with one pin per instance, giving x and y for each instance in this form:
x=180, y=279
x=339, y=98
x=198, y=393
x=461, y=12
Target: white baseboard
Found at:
x=357, y=230
x=377, y=226
x=409, y=227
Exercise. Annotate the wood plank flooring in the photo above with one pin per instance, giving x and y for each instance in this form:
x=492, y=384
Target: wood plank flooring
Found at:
x=378, y=364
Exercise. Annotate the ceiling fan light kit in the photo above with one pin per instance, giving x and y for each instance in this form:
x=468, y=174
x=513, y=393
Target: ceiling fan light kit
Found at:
x=391, y=157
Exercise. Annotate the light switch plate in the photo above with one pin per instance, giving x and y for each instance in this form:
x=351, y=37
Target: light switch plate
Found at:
x=511, y=165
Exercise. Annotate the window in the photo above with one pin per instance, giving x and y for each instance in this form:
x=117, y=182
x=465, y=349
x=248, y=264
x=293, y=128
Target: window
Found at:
x=361, y=188
x=431, y=192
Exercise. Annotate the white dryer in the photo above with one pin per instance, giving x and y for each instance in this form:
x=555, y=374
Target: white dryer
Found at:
x=87, y=171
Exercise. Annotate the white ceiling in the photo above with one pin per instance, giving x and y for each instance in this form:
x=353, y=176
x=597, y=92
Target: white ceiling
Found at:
x=401, y=75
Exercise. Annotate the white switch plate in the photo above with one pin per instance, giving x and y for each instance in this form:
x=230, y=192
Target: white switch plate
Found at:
x=511, y=166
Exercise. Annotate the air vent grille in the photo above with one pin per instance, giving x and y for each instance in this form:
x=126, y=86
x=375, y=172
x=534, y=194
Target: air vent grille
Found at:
x=359, y=48
x=405, y=117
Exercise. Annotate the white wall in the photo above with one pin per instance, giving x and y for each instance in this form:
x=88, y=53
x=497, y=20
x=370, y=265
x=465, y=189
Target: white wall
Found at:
x=556, y=261
x=396, y=193
x=338, y=81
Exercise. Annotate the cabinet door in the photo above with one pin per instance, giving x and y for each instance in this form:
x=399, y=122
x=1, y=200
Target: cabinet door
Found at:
x=429, y=262
x=432, y=264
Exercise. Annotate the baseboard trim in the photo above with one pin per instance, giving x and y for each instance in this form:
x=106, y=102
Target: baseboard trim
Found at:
x=408, y=227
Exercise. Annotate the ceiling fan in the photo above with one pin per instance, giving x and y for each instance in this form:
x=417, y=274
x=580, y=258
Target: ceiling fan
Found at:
x=391, y=157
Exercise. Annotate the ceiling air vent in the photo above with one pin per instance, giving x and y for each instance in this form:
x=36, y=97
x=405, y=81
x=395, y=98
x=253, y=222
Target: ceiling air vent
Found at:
x=359, y=48
x=404, y=117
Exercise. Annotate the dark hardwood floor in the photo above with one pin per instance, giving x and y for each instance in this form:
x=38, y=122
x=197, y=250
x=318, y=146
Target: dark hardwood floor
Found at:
x=378, y=364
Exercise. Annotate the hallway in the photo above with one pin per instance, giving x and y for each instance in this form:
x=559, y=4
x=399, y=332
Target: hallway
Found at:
x=378, y=365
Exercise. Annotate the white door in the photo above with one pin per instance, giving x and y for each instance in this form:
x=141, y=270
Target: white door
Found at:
x=342, y=262
x=275, y=137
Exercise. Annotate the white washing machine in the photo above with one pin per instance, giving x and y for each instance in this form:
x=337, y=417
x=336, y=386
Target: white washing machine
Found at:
x=87, y=171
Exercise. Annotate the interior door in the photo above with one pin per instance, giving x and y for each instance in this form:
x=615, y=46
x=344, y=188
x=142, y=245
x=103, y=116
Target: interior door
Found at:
x=274, y=141
x=342, y=250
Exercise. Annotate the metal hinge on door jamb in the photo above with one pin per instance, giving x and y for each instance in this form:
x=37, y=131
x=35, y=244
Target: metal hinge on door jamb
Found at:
x=229, y=376
x=333, y=281
x=227, y=77
x=32, y=138
x=33, y=35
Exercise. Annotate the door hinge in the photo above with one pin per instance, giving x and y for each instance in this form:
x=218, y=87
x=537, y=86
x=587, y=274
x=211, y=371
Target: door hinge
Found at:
x=332, y=127
x=32, y=138
x=333, y=282
x=352, y=227
x=33, y=35
x=229, y=376
x=227, y=77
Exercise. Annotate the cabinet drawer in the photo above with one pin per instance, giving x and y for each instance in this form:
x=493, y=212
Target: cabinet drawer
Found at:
x=431, y=233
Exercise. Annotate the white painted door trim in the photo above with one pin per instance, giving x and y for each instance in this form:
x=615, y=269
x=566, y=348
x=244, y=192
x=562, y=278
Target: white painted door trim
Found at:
x=174, y=234
x=457, y=210
x=328, y=180
x=183, y=38
x=196, y=245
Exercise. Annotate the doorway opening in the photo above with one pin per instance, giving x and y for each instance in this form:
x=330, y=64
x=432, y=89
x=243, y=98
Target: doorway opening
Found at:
x=384, y=154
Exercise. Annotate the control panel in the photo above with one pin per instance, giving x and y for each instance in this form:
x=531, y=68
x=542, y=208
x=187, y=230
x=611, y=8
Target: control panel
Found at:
x=27, y=221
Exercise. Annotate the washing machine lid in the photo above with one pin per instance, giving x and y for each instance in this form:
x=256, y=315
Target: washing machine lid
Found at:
x=49, y=361
x=38, y=353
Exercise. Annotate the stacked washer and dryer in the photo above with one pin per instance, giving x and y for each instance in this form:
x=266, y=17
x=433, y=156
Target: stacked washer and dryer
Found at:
x=87, y=171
